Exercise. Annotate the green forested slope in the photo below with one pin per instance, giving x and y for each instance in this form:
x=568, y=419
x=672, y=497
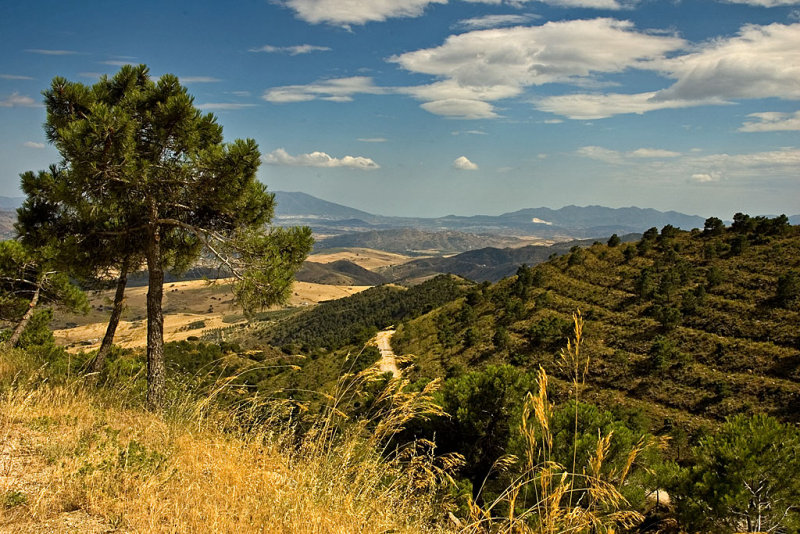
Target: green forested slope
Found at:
x=686, y=327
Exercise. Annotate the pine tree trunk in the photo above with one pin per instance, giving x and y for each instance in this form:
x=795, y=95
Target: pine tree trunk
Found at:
x=105, y=347
x=156, y=370
x=20, y=328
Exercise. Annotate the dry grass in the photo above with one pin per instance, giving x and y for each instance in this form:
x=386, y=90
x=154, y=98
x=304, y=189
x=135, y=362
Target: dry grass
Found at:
x=184, y=303
x=68, y=449
x=549, y=498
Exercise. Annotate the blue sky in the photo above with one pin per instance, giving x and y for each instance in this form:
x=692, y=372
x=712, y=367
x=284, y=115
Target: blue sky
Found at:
x=433, y=107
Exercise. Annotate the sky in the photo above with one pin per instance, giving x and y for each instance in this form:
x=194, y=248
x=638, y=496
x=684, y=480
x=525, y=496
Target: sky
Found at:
x=436, y=107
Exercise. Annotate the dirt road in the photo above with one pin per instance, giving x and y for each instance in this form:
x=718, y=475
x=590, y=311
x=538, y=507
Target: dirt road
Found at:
x=388, y=361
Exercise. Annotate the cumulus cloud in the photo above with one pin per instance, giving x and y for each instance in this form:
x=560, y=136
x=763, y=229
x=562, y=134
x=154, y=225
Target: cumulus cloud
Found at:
x=32, y=144
x=319, y=159
x=16, y=100
x=346, y=12
x=335, y=90
x=480, y=67
x=464, y=164
x=291, y=50
x=772, y=121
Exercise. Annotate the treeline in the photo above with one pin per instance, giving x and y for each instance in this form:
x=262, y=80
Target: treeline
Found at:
x=353, y=320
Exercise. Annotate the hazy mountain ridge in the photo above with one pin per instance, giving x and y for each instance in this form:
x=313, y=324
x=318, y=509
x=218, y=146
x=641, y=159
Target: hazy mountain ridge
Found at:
x=569, y=222
x=410, y=240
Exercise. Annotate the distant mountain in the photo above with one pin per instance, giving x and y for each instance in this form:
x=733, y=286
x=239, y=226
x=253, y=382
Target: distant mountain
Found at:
x=570, y=222
x=412, y=240
x=302, y=206
x=11, y=203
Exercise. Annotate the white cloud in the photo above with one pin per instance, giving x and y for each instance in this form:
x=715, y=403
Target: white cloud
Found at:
x=765, y=3
x=223, y=106
x=463, y=164
x=592, y=4
x=198, y=79
x=16, y=100
x=495, y=21
x=588, y=106
x=32, y=144
x=653, y=153
x=469, y=132
x=319, y=159
x=372, y=139
x=291, y=50
x=458, y=108
x=601, y=154
x=706, y=177
x=759, y=62
x=14, y=77
x=116, y=62
x=484, y=66
x=772, y=121
x=346, y=12
x=617, y=158
x=336, y=90
x=46, y=52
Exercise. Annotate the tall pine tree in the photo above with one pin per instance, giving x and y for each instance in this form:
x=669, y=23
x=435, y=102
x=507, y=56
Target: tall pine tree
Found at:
x=147, y=175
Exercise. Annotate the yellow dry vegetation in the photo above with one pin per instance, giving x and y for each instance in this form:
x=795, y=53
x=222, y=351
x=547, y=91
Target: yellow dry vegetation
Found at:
x=186, y=305
x=78, y=459
x=367, y=258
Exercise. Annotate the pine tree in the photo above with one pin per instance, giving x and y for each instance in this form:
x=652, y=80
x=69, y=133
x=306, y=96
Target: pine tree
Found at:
x=150, y=171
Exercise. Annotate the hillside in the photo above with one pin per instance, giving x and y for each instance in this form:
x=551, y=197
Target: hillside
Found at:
x=684, y=327
x=485, y=264
x=411, y=240
x=338, y=273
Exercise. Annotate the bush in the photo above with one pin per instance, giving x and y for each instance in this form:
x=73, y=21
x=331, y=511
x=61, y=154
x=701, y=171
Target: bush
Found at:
x=746, y=477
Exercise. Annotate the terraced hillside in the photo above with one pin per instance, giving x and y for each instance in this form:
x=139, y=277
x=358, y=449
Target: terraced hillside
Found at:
x=686, y=328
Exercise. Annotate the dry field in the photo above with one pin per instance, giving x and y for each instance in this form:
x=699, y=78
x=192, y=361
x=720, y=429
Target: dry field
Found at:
x=364, y=257
x=190, y=308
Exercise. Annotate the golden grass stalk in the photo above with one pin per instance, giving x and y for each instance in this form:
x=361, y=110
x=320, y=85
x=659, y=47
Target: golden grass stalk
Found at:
x=558, y=499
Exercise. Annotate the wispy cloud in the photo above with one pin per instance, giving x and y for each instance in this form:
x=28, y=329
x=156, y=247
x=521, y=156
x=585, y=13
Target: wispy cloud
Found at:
x=772, y=121
x=291, y=50
x=224, y=106
x=319, y=159
x=16, y=100
x=372, y=139
x=33, y=144
x=495, y=21
x=14, y=77
x=764, y=3
x=463, y=163
x=335, y=90
x=198, y=79
x=47, y=52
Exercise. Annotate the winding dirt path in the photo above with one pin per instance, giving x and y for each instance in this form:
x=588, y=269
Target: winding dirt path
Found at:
x=388, y=362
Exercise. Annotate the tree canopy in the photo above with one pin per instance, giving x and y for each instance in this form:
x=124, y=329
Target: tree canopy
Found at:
x=146, y=175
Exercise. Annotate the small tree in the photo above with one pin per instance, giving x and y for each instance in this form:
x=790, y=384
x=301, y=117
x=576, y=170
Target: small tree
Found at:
x=140, y=150
x=745, y=478
x=788, y=289
x=713, y=226
x=27, y=281
x=614, y=240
